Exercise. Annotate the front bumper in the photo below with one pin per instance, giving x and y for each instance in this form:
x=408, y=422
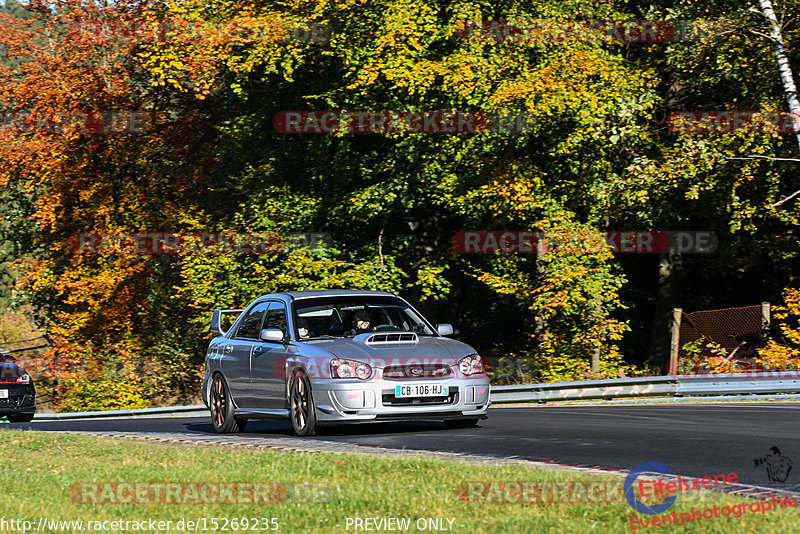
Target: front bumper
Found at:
x=343, y=401
x=204, y=382
x=21, y=400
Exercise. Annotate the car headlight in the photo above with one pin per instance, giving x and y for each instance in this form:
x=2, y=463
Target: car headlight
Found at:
x=471, y=365
x=350, y=369
x=24, y=378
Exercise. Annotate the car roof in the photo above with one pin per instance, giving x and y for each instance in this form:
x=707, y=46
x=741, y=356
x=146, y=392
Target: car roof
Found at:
x=335, y=293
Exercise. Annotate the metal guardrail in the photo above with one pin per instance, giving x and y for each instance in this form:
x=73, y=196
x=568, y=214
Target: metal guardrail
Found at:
x=739, y=384
x=138, y=412
x=656, y=386
x=673, y=386
x=677, y=387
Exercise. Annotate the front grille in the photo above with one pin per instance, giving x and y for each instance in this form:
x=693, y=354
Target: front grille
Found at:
x=390, y=400
x=421, y=370
x=412, y=416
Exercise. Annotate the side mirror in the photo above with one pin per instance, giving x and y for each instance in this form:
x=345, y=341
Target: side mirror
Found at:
x=444, y=329
x=272, y=334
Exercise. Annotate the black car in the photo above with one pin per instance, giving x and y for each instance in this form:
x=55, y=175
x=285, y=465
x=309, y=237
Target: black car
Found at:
x=17, y=393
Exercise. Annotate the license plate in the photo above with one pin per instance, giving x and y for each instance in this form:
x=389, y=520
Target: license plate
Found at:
x=422, y=390
x=3, y=393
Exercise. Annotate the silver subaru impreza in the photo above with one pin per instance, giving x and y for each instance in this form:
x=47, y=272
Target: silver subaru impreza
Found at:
x=339, y=356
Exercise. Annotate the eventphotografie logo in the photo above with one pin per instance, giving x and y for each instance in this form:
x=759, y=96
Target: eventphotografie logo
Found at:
x=642, y=477
x=668, y=486
x=630, y=485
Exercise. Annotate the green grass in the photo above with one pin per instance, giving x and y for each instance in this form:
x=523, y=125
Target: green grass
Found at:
x=39, y=469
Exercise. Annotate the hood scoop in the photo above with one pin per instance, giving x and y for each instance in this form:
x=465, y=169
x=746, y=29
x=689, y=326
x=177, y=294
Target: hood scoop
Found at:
x=391, y=338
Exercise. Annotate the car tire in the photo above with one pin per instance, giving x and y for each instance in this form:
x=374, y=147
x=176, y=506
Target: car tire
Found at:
x=461, y=423
x=301, y=406
x=221, y=406
x=20, y=418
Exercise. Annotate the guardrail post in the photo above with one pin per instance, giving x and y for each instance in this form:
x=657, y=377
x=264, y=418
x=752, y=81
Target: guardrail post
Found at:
x=596, y=349
x=675, y=342
x=596, y=358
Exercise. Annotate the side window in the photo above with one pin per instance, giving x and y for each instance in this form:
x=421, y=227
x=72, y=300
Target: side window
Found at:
x=276, y=317
x=248, y=328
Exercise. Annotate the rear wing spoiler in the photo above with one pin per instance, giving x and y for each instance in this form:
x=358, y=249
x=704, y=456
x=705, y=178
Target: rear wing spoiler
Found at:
x=216, y=320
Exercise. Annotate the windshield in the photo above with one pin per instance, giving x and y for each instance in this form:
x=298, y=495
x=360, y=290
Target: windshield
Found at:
x=348, y=316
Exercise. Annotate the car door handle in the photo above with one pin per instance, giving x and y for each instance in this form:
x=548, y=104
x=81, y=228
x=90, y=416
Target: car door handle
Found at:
x=228, y=349
x=258, y=349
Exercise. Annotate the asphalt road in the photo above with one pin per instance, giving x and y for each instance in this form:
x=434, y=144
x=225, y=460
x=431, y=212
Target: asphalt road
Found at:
x=691, y=439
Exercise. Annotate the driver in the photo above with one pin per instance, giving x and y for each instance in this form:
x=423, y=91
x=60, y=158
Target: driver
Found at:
x=303, y=328
x=361, y=322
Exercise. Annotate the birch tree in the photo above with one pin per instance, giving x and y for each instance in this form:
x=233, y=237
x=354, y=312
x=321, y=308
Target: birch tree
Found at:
x=784, y=68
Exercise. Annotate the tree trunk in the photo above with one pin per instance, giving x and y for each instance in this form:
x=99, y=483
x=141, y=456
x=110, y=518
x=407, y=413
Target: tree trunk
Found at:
x=668, y=298
x=784, y=68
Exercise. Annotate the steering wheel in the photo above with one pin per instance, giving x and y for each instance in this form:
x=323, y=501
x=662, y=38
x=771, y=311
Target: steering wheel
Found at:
x=385, y=327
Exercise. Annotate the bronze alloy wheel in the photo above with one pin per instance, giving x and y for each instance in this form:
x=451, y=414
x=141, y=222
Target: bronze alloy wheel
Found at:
x=222, y=409
x=301, y=407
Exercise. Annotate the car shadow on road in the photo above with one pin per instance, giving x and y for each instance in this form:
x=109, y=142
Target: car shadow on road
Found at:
x=267, y=428
x=379, y=429
x=278, y=428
